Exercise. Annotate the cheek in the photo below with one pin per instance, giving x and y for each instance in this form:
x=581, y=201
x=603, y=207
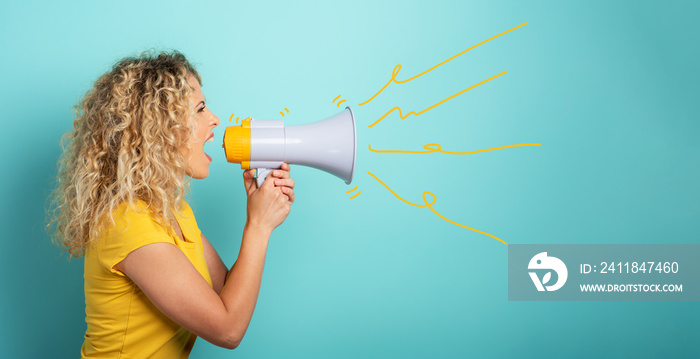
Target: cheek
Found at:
x=193, y=135
x=200, y=129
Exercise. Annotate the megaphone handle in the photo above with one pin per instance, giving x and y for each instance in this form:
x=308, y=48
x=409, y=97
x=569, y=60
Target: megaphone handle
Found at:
x=262, y=174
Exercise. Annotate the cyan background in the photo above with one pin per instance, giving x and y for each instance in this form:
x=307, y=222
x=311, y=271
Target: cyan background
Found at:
x=610, y=89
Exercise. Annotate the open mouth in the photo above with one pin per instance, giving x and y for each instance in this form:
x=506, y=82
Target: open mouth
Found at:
x=210, y=139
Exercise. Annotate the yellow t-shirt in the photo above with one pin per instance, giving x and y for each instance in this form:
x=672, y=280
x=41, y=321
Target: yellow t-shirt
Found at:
x=121, y=321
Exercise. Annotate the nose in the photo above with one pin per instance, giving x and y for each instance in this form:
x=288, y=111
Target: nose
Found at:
x=215, y=120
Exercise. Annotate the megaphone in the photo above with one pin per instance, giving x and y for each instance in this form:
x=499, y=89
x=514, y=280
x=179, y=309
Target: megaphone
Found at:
x=329, y=145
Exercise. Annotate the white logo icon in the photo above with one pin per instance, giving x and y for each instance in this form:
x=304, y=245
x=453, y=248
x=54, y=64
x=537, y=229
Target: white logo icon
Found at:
x=541, y=261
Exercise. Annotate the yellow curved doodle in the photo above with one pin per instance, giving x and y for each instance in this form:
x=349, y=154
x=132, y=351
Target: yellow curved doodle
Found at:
x=435, y=105
x=339, y=102
x=357, y=194
x=430, y=205
x=434, y=147
x=231, y=118
x=398, y=67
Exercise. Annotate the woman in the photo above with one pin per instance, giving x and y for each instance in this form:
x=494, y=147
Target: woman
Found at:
x=153, y=282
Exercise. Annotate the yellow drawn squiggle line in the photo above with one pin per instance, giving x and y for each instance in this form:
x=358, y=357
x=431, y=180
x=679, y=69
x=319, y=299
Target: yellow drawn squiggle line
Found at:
x=399, y=197
x=429, y=205
x=351, y=190
x=357, y=194
x=437, y=104
x=398, y=67
x=434, y=147
x=339, y=102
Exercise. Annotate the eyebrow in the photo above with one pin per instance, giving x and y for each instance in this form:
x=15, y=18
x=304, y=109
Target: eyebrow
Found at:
x=200, y=103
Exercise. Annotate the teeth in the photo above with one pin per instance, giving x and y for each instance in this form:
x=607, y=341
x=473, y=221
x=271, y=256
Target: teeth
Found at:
x=211, y=139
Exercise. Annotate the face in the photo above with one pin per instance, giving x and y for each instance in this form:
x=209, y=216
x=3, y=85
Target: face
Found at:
x=204, y=122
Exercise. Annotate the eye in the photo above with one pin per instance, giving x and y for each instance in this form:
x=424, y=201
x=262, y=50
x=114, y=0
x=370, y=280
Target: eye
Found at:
x=202, y=109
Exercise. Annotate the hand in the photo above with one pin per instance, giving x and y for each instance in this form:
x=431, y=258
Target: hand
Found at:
x=284, y=182
x=269, y=205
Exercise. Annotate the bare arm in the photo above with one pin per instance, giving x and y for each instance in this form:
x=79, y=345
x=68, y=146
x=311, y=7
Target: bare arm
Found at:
x=217, y=268
x=175, y=287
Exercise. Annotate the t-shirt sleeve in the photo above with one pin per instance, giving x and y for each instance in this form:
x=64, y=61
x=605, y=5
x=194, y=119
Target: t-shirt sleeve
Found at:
x=133, y=229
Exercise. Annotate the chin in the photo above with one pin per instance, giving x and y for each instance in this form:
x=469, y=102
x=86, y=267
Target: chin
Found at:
x=202, y=175
x=199, y=174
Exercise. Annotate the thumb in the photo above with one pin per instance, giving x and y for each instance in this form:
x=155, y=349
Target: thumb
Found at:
x=249, y=181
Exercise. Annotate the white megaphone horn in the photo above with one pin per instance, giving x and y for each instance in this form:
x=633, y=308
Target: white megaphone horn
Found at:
x=329, y=145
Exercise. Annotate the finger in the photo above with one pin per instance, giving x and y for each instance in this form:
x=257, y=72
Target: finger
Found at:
x=287, y=194
x=280, y=174
x=285, y=166
x=290, y=194
x=285, y=182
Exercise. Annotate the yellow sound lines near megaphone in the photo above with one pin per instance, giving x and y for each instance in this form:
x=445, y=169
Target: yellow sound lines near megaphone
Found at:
x=282, y=113
x=403, y=117
x=434, y=147
x=398, y=68
x=339, y=102
x=230, y=118
x=356, y=194
x=430, y=205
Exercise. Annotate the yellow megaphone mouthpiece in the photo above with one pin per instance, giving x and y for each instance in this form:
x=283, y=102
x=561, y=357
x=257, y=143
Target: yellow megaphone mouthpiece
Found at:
x=237, y=144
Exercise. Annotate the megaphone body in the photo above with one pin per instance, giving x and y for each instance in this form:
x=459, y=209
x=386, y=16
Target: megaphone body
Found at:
x=329, y=145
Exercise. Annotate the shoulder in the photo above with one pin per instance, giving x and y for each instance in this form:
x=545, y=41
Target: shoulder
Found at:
x=134, y=218
x=134, y=226
x=186, y=209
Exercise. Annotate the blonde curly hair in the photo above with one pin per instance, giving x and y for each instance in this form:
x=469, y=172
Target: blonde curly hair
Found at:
x=124, y=147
